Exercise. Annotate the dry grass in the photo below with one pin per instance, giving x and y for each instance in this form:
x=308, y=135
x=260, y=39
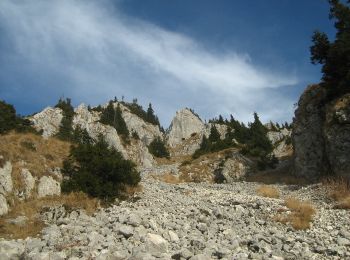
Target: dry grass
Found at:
x=282, y=174
x=168, y=178
x=38, y=155
x=268, y=191
x=339, y=190
x=132, y=190
x=32, y=208
x=301, y=214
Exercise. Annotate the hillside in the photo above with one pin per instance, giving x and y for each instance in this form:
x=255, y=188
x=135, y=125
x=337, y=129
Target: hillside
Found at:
x=152, y=219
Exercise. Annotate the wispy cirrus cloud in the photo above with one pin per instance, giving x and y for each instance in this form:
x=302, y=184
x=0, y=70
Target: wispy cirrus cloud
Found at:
x=96, y=52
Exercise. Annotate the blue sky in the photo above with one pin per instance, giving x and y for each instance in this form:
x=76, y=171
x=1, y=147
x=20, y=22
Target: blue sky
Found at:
x=217, y=57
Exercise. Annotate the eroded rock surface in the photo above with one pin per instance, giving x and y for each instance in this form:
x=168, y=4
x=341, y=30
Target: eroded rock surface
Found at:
x=47, y=186
x=48, y=121
x=321, y=135
x=184, y=125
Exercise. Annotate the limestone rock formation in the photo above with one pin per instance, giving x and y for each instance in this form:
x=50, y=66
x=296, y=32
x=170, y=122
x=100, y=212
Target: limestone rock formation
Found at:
x=48, y=186
x=47, y=121
x=90, y=121
x=321, y=134
x=279, y=141
x=3, y=205
x=146, y=131
x=6, y=184
x=28, y=181
x=184, y=125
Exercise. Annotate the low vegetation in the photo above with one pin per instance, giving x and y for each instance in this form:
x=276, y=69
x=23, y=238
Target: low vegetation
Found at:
x=9, y=120
x=268, y=191
x=253, y=141
x=339, y=190
x=158, y=148
x=31, y=151
x=30, y=209
x=300, y=216
x=168, y=178
x=98, y=170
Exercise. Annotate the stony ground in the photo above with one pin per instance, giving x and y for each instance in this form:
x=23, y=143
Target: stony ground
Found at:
x=190, y=221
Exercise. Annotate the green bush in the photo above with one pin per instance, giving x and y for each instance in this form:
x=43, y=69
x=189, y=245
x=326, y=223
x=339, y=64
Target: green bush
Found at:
x=98, y=170
x=158, y=149
x=9, y=120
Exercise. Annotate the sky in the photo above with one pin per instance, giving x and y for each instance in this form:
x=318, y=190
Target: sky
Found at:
x=216, y=57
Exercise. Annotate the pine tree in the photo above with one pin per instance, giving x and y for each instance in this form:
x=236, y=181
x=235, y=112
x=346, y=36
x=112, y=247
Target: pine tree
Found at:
x=334, y=56
x=158, y=149
x=214, y=134
x=66, y=129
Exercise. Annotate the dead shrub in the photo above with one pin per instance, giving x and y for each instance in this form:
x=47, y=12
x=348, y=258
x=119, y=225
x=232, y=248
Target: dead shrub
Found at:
x=168, y=178
x=268, y=191
x=339, y=190
x=301, y=214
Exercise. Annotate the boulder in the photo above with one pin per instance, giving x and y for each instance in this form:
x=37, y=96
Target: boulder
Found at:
x=48, y=121
x=6, y=184
x=3, y=205
x=48, y=187
x=236, y=167
x=156, y=245
x=28, y=181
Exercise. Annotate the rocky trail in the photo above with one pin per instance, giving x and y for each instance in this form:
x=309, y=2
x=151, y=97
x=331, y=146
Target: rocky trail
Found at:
x=190, y=221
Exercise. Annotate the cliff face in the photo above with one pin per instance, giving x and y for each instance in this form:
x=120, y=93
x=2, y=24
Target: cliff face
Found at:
x=321, y=135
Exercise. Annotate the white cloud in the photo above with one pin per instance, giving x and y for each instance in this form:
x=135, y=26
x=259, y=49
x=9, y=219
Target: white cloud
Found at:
x=101, y=53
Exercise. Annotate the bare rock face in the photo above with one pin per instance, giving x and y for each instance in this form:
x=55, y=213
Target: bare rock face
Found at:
x=146, y=131
x=184, y=125
x=48, y=121
x=90, y=122
x=278, y=140
x=48, y=187
x=337, y=135
x=29, y=182
x=138, y=152
x=6, y=184
x=321, y=135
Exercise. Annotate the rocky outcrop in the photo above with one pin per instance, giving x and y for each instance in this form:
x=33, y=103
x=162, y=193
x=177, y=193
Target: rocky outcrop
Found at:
x=321, y=134
x=48, y=187
x=146, y=131
x=138, y=152
x=48, y=121
x=337, y=135
x=186, y=132
x=280, y=140
x=184, y=125
x=6, y=184
x=90, y=122
x=28, y=181
x=4, y=208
